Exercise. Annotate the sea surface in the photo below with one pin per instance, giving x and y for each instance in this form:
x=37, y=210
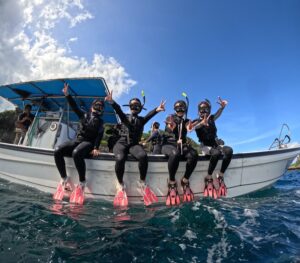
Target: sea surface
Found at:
x=260, y=227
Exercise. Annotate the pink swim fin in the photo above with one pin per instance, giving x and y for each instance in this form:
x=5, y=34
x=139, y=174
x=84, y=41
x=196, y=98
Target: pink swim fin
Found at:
x=59, y=194
x=77, y=196
x=121, y=199
x=209, y=189
x=149, y=196
x=188, y=194
x=172, y=196
x=222, y=191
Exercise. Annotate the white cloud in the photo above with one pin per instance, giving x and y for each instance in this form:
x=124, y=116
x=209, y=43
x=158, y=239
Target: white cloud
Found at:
x=73, y=39
x=255, y=139
x=28, y=50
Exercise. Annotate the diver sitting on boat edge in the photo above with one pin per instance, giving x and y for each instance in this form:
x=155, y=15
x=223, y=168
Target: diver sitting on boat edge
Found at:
x=206, y=131
x=129, y=143
x=174, y=146
x=87, y=141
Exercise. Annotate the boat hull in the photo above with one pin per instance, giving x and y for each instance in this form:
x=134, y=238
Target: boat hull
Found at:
x=248, y=172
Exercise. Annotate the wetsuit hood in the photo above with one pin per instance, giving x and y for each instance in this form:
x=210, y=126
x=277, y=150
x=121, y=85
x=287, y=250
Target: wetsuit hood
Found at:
x=98, y=106
x=135, y=106
x=204, y=110
x=180, y=106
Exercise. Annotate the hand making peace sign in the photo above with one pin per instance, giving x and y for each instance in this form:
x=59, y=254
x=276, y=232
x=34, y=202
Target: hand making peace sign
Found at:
x=161, y=107
x=222, y=103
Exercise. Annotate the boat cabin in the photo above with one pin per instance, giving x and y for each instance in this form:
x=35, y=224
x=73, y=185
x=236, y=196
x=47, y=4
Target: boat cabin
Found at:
x=54, y=121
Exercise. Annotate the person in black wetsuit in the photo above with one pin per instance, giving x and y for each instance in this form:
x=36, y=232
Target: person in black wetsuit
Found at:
x=155, y=138
x=206, y=131
x=87, y=141
x=129, y=141
x=174, y=146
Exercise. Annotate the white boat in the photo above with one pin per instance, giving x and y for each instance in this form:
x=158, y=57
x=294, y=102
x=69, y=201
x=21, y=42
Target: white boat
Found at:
x=32, y=163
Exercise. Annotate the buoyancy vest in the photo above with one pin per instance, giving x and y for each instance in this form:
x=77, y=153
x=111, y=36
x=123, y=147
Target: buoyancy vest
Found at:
x=172, y=137
x=90, y=127
x=208, y=134
x=133, y=131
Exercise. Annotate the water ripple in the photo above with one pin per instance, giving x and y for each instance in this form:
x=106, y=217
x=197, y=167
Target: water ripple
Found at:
x=261, y=226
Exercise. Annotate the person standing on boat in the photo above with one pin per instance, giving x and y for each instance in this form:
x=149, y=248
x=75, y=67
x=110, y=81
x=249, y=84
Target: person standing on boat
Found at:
x=23, y=123
x=155, y=138
x=87, y=142
x=132, y=131
x=174, y=147
x=206, y=131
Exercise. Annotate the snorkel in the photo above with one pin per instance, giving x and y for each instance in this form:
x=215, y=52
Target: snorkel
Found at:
x=187, y=103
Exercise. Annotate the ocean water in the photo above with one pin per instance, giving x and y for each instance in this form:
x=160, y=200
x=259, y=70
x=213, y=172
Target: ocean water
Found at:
x=260, y=227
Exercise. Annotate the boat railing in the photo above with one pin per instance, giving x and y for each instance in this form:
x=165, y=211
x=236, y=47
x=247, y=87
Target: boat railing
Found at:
x=281, y=142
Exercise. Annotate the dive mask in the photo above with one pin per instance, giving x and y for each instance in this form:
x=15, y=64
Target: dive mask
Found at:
x=180, y=106
x=135, y=107
x=98, y=107
x=180, y=109
x=204, y=110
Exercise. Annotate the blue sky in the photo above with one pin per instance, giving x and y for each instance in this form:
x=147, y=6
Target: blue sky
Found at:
x=244, y=51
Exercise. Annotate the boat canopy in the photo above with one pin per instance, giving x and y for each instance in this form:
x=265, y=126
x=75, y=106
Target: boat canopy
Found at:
x=48, y=95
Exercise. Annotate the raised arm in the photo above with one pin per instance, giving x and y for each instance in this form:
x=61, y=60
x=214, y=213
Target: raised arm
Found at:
x=72, y=102
x=152, y=113
x=117, y=108
x=223, y=104
x=203, y=122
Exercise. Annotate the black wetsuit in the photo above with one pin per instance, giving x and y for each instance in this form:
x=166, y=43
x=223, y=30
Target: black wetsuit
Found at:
x=129, y=142
x=156, y=141
x=207, y=135
x=88, y=138
x=173, y=150
x=113, y=138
